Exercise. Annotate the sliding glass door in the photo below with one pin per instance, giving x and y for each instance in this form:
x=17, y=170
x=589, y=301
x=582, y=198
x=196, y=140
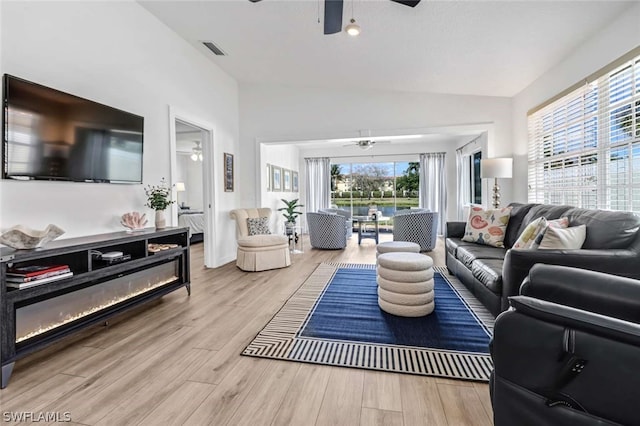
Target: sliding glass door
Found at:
x=383, y=187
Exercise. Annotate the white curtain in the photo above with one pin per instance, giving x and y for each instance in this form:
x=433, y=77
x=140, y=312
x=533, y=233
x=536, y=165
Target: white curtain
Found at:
x=463, y=168
x=318, y=184
x=433, y=186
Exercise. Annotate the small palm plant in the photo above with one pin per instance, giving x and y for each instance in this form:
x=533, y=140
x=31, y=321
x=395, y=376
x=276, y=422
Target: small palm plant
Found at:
x=290, y=211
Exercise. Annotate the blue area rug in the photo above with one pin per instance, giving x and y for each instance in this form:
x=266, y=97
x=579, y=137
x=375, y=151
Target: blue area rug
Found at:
x=334, y=319
x=348, y=310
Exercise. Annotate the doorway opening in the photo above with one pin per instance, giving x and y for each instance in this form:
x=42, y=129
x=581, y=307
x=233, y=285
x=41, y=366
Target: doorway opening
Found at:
x=192, y=179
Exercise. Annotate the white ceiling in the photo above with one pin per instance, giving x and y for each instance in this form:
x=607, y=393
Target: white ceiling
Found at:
x=474, y=47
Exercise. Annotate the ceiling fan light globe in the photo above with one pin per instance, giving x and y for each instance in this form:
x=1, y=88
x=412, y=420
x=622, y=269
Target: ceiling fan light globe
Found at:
x=194, y=157
x=353, y=29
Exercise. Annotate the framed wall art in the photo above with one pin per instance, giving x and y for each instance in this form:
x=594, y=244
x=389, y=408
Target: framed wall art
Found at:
x=228, y=172
x=276, y=178
x=294, y=182
x=286, y=177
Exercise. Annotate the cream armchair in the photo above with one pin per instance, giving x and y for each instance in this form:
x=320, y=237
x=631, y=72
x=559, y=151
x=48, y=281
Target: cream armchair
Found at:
x=259, y=252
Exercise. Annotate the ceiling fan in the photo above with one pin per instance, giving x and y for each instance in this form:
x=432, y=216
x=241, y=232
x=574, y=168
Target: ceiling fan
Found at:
x=366, y=144
x=333, y=13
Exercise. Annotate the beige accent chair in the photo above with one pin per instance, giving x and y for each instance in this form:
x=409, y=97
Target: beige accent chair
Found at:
x=259, y=252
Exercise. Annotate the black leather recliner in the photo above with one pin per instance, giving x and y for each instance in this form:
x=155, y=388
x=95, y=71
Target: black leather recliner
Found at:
x=567, y=352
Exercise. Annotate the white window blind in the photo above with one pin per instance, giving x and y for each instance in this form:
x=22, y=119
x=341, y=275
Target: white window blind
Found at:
x=584, y=148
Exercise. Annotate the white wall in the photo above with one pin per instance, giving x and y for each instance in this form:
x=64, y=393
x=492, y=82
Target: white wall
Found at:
x=118, y=54
x=190, y=173
x=283, y=113
x=285, y=156
x=609, y=44
x=194, y=185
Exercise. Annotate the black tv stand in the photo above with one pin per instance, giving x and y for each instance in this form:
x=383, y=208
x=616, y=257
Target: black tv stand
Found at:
x=35, y=317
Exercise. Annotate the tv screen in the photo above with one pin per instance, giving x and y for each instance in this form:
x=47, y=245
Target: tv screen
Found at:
x=52, y=135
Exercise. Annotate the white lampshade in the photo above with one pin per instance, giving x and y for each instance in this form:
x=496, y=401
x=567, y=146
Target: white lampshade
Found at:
x=180, y=187
x=496, y=168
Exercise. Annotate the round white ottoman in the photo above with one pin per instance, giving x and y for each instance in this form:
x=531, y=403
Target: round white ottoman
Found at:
x=405, y=284
x=397, y=246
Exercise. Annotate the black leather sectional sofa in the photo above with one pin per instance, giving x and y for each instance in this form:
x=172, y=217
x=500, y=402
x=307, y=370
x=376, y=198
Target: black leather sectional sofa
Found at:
x=567, y=352
x=493, y=274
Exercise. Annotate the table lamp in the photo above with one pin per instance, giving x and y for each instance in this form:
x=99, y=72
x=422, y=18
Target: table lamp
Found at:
x=180, y=188
x=496, y=168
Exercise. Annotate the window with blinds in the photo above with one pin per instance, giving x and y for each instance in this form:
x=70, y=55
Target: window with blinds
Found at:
x=584, y=148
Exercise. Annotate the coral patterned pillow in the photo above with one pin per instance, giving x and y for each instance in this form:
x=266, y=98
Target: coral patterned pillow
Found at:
x=487, y=226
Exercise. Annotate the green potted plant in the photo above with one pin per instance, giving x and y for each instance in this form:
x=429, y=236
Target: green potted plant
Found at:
x=158, y=199
x=290, y=214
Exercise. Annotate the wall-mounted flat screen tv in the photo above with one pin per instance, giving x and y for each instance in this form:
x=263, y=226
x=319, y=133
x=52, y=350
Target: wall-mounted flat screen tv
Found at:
x=52, y=135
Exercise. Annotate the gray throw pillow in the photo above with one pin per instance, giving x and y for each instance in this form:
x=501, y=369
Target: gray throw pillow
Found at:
x=258, y=225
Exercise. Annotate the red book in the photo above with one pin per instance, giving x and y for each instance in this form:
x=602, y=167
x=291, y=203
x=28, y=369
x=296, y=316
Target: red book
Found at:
x=35, y=270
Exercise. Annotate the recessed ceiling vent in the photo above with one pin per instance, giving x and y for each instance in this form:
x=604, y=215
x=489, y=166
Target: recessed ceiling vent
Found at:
x=215, y=49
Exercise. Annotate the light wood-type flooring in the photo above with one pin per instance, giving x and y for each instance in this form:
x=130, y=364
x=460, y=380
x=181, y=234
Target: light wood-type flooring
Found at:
x=177, y=361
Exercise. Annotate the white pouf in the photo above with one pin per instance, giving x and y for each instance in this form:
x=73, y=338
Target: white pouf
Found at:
x=405, y=284
x=397, y=246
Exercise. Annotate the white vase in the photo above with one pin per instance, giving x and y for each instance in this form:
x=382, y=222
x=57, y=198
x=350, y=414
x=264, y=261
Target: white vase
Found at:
x=161, y=222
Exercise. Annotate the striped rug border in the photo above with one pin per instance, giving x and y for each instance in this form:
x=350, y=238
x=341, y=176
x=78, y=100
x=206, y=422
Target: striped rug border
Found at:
x=279, y=338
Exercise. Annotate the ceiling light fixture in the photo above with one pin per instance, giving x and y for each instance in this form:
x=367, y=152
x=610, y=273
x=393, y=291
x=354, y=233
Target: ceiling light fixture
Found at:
x=366, y=144
x=196, y=152
x=352, y=28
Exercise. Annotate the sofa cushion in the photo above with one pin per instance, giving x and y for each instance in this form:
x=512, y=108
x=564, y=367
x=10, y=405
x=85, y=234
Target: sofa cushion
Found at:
x=515, y=226
x=452, y=244
x=606, y=229
x=467, y=254
x=487, y=227
x=489, y=273
x=548, y=211
x=269, y=240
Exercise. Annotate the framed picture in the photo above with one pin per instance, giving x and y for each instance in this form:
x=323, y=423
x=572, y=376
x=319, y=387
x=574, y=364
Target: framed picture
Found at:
x=286, y=177
x=268, y=177
x=228, y=172
x=276, y=178
x=294, y=182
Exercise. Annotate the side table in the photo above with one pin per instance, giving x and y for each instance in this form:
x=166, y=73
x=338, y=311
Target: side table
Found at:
x=295, y=239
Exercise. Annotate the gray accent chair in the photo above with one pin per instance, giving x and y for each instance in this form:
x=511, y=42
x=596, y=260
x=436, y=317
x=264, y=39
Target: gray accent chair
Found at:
x=327, y=231
x=418, y=226
x=347, y=217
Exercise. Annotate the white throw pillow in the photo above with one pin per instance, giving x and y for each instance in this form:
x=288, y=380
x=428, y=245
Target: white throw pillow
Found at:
x=564, y=238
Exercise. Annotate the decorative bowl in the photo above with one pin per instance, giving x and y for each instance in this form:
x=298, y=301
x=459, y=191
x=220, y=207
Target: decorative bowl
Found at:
x=21, y=237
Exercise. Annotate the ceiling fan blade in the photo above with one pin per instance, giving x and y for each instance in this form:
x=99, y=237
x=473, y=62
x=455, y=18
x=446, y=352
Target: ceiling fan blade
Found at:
x=254, y=1
x=332, y=16
x=410, y=3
